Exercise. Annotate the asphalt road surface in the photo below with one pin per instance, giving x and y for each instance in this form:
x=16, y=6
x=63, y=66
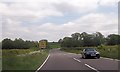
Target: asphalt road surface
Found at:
x=59, y=60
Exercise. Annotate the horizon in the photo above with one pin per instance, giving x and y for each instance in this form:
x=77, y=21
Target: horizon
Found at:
x=48, y=40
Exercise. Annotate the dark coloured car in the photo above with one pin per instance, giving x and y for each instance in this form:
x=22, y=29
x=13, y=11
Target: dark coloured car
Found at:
x=90, y=53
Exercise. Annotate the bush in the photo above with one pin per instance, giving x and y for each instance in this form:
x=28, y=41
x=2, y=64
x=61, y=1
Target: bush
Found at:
x=18, y=44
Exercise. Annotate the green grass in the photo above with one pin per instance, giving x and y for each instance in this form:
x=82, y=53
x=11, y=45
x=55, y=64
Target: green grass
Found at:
x=11, y=61
x=54, y=45
x=105, y=51
x=109, y=51
x=18, y=51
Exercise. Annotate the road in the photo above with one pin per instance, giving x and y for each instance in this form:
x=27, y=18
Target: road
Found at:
x=59, y=60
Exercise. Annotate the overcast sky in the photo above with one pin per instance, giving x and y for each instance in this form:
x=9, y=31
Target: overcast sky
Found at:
x=55, y=19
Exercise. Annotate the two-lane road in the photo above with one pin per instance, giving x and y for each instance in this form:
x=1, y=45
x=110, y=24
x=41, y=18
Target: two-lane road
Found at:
x=59, y=60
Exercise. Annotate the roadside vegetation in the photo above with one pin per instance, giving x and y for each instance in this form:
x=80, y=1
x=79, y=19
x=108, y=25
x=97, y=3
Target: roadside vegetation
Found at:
x=19, y=44
x=107, y=46
x=17, y=59
x=105, y=51
x=109, y=51
x=53, y=45
x=22, y=55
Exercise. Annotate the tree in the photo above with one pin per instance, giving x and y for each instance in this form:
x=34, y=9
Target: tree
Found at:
x=76, y=36
x=98, y=39
x=67, y=42
x=18, y=44
x=77, y=40
x=113, y=39
x=86, y=39
x=7, y=44
x=60, y=41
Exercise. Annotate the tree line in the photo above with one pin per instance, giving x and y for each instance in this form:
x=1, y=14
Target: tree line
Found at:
x=18, y=44
x=85, y=39
x=76, y=40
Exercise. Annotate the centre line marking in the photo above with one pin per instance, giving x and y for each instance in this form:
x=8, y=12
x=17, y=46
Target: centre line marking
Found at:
x=76, y=59
x=86, y=65
x=91, y=67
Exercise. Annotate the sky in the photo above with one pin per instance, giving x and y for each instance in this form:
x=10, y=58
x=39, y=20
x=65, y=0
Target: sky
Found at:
x=55, y=19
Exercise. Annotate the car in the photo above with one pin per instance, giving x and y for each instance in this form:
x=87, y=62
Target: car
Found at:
x=90, y=52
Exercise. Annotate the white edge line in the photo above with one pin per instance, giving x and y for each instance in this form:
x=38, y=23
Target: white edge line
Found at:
x=91, y=67
x=110, y=59
x=76, y=59
x=43, y=63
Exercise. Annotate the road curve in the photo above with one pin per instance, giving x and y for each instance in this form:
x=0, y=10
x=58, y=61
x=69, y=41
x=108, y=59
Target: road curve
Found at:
x=60, y=60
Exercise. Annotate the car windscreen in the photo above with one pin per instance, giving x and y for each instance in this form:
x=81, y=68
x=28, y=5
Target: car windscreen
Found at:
x=90, y=49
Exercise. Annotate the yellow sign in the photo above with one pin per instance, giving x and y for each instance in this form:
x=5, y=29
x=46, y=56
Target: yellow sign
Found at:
x=42, y=44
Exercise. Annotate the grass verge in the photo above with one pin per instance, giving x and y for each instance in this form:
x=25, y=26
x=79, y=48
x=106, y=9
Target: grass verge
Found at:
x=11, y=61
x=109, y=51
x=105, y=51
x=53, y=45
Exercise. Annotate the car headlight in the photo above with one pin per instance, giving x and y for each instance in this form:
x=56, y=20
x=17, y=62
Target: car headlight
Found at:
x=97, y=53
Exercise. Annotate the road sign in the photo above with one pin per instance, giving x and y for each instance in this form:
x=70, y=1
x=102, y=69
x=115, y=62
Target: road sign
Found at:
x=43, y=43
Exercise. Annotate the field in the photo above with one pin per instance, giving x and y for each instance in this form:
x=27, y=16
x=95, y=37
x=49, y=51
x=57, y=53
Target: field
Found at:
x=109, y=51
x=105, y=51
x=54, y=45
x=23, y=59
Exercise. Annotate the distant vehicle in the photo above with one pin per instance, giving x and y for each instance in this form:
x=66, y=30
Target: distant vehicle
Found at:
x=90, y=52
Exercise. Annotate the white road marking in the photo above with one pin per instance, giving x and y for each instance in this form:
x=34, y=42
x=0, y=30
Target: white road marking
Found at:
x=59, y=48
x=110, y=59
x=76, y=59
x=43, y=63
x=91, y=67
x=87, y=65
